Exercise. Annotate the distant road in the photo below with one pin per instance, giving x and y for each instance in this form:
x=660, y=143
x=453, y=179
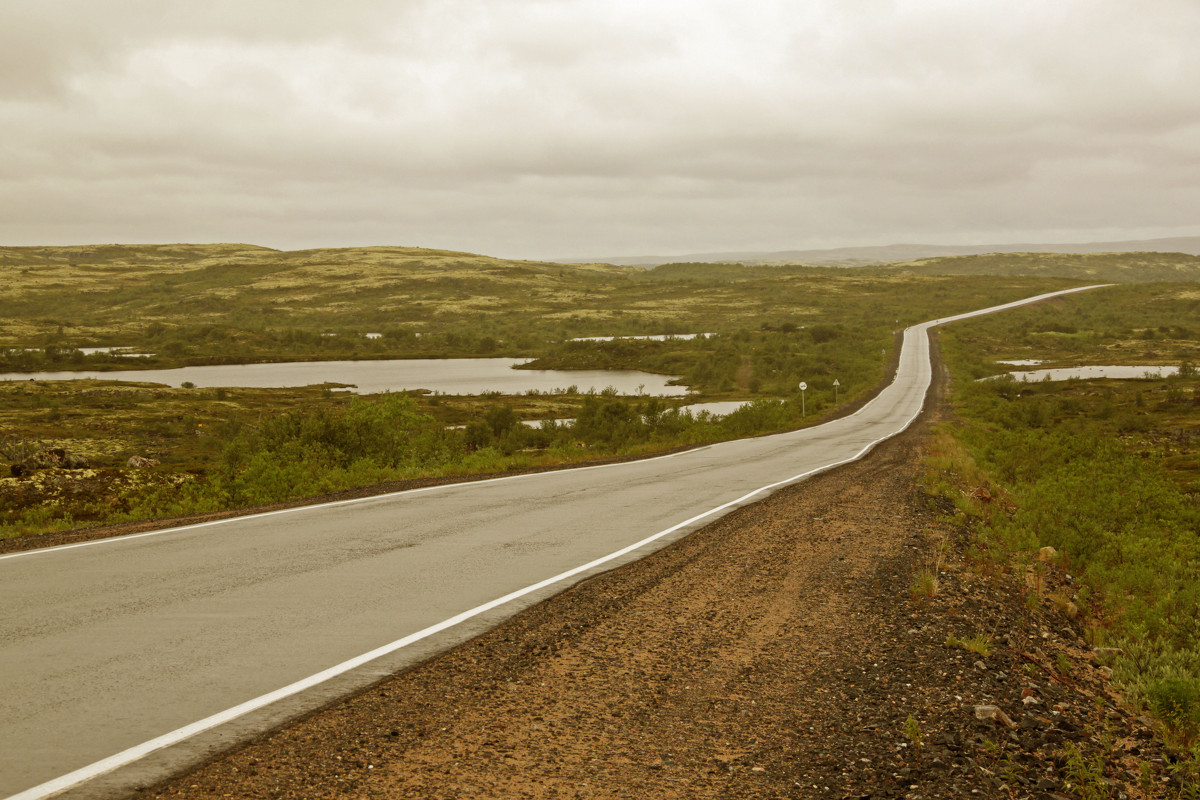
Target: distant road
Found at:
x=125, y=658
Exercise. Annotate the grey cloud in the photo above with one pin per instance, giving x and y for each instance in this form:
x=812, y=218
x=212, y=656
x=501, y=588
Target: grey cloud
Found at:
x=529, y=127
x=43, y=43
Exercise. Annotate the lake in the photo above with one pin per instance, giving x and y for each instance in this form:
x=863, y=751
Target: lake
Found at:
x=460, y=376
x=717, y=408
x=658, y=337
x=1066, y=373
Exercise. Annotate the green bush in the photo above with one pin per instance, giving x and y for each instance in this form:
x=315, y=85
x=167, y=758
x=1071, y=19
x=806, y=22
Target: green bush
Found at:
x=1176, y=699
x=326, y=449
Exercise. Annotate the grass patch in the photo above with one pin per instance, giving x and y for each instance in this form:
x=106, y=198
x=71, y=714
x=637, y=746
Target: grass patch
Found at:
x=925, y=584
x=980, y=644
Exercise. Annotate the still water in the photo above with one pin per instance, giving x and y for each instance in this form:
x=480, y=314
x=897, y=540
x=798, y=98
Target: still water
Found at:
x=658, y=337
x=464, y=376
x=1066, y=373
x=718, y=408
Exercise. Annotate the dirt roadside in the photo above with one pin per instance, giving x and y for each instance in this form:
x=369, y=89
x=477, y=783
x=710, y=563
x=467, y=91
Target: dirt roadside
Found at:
x=776, y=653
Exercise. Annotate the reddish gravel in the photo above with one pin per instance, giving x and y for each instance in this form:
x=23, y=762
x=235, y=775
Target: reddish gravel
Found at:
x=775, y=653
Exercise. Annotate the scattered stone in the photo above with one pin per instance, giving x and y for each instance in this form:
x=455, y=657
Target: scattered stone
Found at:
x=1047, y=554
x=48, y=458
x=141, y=462
x=992, y=713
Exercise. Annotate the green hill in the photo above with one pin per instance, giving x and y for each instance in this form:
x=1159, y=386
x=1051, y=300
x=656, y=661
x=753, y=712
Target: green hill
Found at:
x=111, y=291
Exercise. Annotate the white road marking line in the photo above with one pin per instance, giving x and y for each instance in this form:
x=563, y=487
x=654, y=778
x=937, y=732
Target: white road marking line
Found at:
x=262, y=514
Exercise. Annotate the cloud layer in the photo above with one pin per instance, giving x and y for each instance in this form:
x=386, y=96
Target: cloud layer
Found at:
x=558, y=128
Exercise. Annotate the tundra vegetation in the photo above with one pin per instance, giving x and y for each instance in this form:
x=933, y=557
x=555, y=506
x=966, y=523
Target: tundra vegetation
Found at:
x=1106, y=473
x=202, y=450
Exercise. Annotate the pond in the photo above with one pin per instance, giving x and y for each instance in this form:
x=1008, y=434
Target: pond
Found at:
x=716, y=408
x=658, y=337
x=124, y=352
x=1067, y=373
x=459, y=376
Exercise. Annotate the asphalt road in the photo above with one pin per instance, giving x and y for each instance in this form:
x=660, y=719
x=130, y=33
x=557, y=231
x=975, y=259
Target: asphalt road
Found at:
x=123, y=659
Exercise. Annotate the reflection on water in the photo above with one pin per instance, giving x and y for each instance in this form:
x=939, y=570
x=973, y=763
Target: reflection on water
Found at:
x=462, y=376
x=1066, y=373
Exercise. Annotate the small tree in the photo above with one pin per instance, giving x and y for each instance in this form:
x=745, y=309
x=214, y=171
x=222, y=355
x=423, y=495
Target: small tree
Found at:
x=501, y=420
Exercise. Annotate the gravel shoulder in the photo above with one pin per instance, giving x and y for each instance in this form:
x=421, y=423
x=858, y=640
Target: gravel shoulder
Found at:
x=775, y=653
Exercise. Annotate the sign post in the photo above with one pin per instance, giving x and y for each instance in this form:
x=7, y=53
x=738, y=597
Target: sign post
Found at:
x=803, y=389
x=835, y=388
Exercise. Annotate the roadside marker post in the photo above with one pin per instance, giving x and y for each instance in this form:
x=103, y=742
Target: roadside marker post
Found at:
x=803, y=389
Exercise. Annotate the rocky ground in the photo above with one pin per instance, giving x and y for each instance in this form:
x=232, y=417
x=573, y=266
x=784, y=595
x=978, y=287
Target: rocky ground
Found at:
x=779, y=652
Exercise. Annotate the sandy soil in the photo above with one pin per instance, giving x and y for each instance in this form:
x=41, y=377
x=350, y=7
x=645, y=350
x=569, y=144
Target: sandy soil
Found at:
x=776, y=653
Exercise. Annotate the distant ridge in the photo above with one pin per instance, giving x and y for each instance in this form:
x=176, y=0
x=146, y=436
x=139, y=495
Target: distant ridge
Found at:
x=898, y=253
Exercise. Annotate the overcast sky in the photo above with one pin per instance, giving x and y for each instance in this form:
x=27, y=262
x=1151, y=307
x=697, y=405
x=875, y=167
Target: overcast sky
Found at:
x=577, y=128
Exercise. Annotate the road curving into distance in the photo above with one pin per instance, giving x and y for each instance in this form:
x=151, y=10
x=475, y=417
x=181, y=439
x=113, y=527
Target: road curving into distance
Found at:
x=125, y=659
